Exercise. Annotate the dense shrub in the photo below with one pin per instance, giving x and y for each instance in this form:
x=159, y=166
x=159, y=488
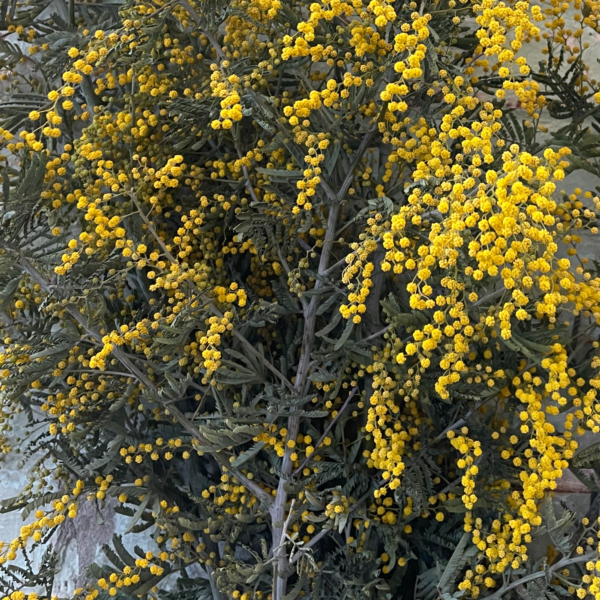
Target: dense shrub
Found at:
x=295, y=287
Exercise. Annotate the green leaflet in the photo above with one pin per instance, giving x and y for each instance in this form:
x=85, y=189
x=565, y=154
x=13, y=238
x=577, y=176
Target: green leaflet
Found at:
x=337, y=317
x=33, y=505
x=138, y=513
x=149, y=584
x=295, y=591
x=558, y=529
x=279, y=173
x=248, y=454
x=122, y=552
x=345, y=335
x=588, y=457
x=587, y=480
x=459, y=558
x=191, y=525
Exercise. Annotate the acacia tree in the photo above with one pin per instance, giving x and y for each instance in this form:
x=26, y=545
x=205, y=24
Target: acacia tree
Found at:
x=295, y=287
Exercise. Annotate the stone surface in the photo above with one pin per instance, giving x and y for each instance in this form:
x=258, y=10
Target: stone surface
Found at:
x=80, y=542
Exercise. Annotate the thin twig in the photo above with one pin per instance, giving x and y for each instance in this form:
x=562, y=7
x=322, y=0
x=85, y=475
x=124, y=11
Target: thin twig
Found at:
x=489, y=296
x=357, y=158
x=312, y=542
x=213, y=308
x=463, y=420
x=343, y=261
x=305, y=245
x=327, y=430
x=286, y=525
x=151, y=229
x=335, y=266
x=245, y=170
x=255, y=352
x=304, y=362
x=288, y=270
x=319, y=536
x=377, y=334
x=209, y=36
x=250, y=485
x=561, y=564
x=96, y=372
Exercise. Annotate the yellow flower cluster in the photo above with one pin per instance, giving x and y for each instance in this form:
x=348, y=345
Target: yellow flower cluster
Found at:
x=205, y=181
x=234, y=294
x=338, y=505
x=231, y=108
x=45, y=521
x=230, y=497
x=470, y=450
x=279, y=444
x=131, y=574
x=300, y=46
x=211, y=340
x=158, y=449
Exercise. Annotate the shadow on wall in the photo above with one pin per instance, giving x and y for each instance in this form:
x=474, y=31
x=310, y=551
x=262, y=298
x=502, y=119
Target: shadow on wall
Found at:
x=79, y=543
